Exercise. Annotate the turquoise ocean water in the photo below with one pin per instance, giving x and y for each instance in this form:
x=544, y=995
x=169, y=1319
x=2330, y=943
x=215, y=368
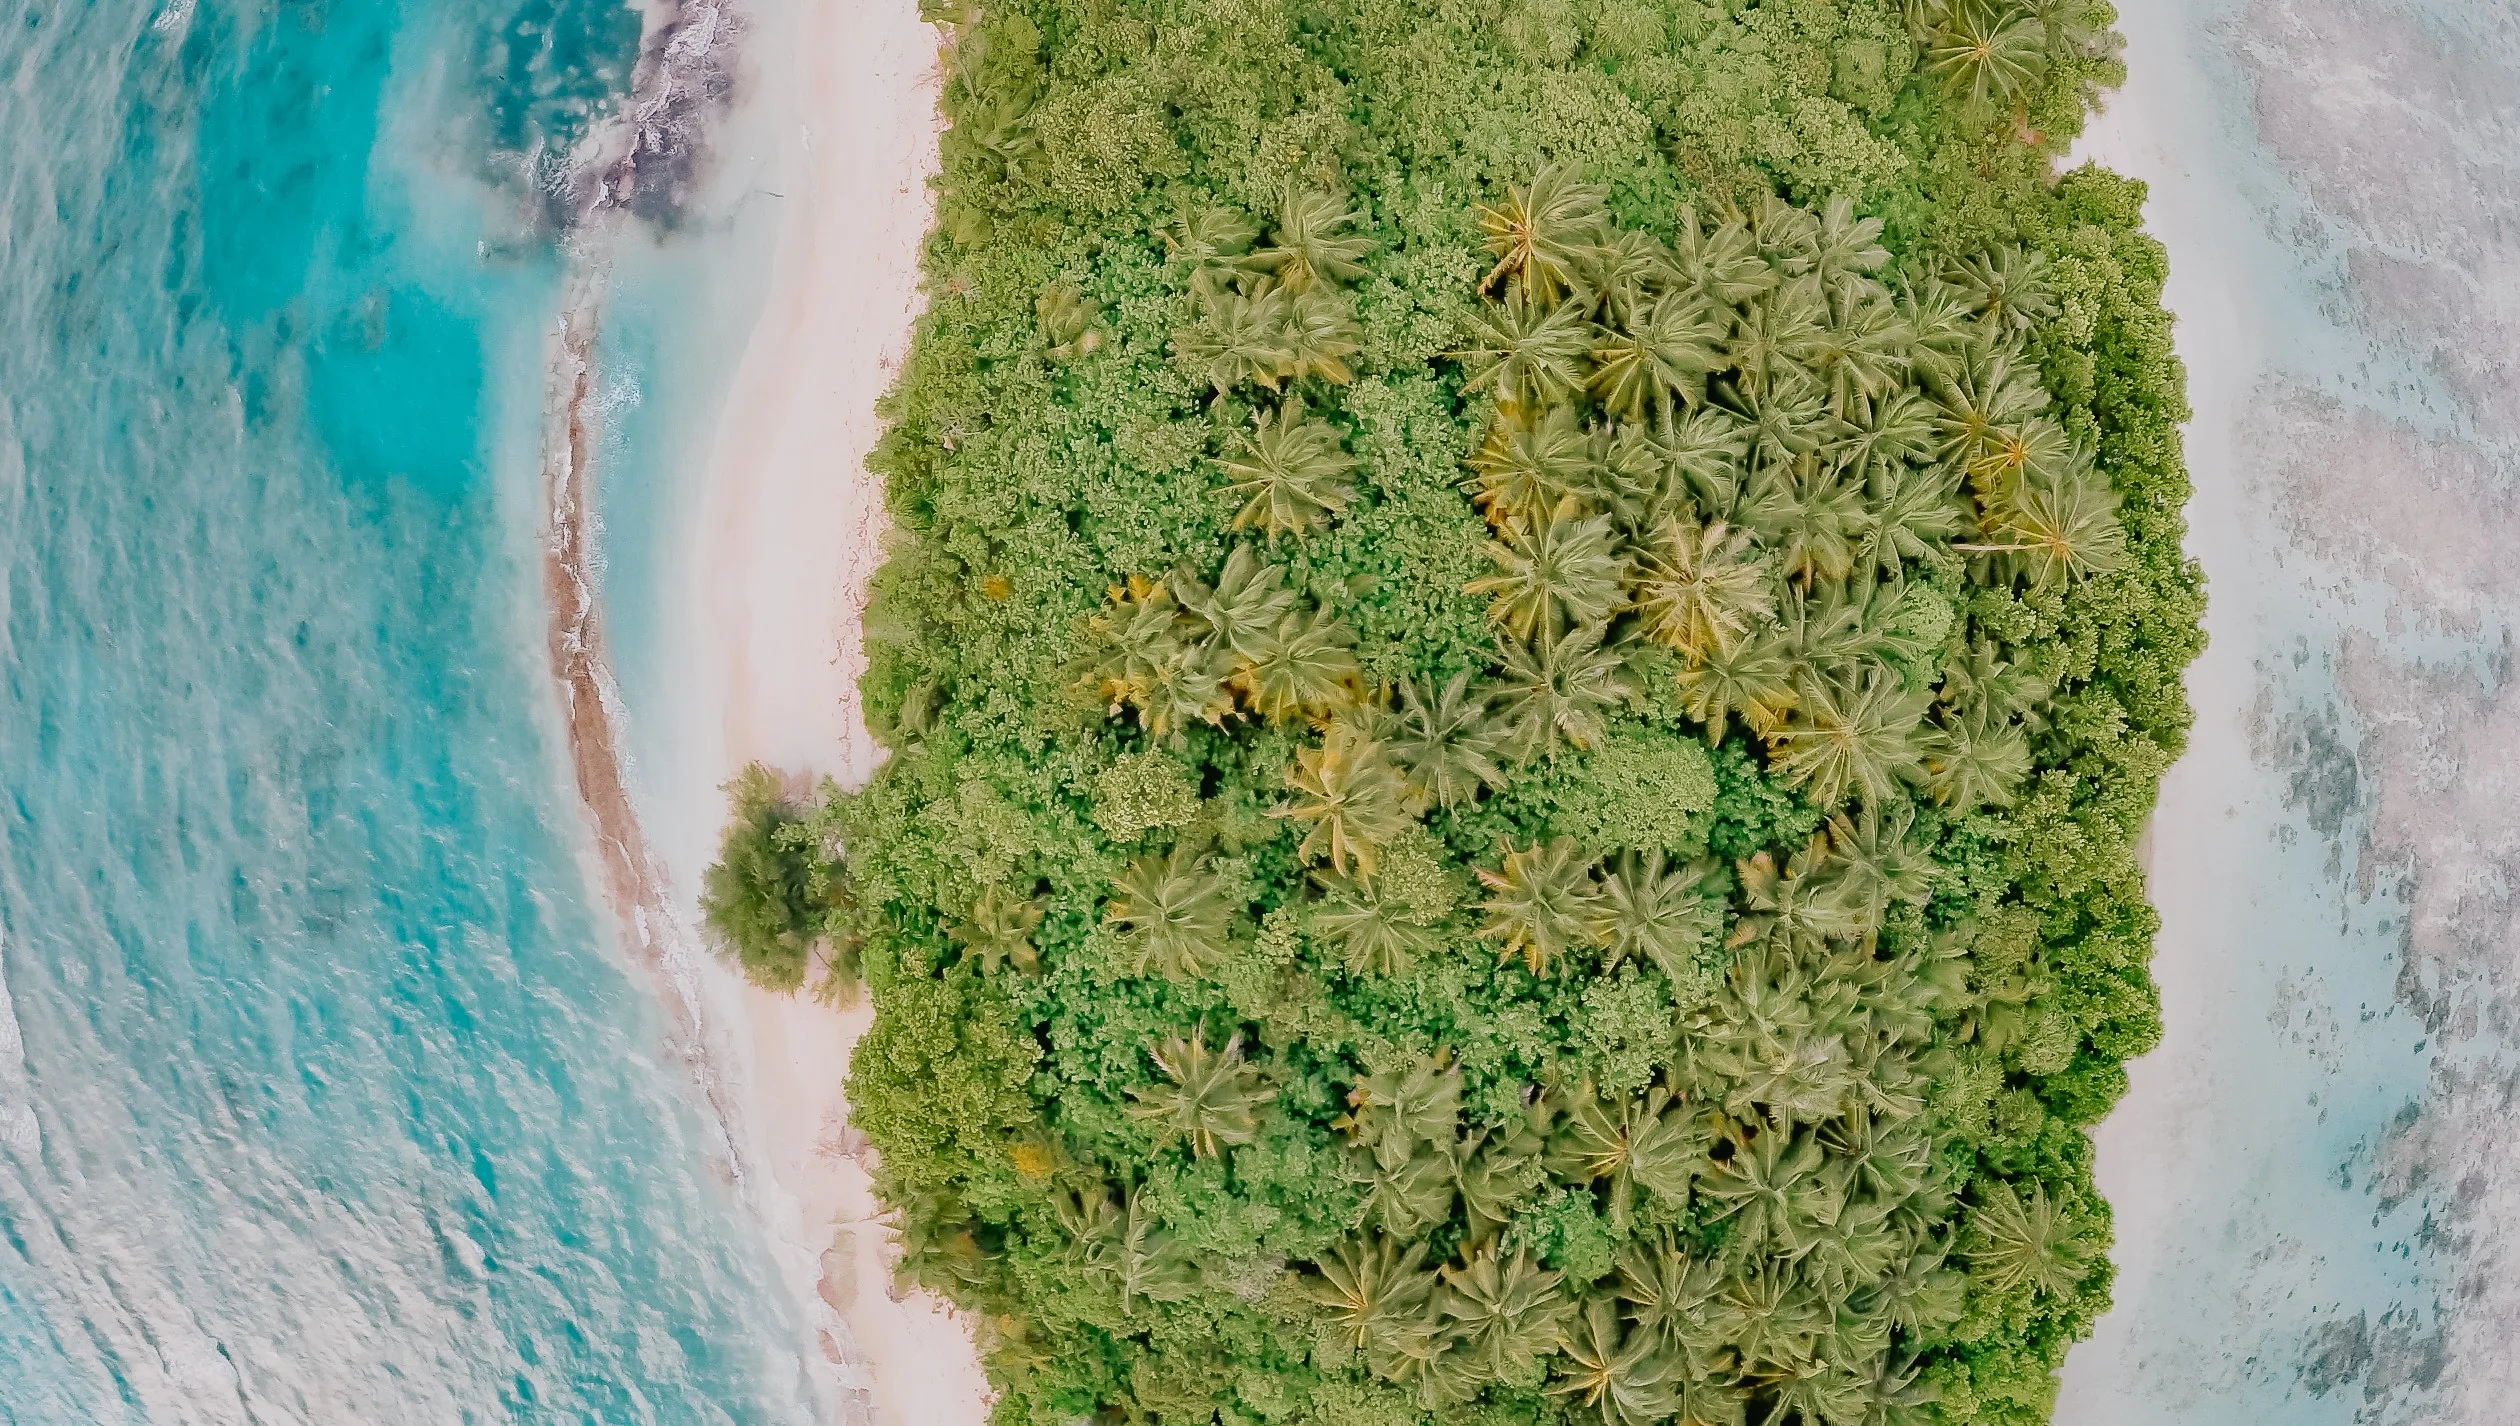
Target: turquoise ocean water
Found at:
x=2317, y=1175
x=323, y=1094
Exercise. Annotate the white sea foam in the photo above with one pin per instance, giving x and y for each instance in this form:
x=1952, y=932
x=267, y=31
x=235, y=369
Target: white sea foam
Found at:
x=18, y=1129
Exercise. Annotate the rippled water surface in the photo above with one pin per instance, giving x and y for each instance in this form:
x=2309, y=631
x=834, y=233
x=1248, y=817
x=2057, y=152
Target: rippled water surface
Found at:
x=323, y=1095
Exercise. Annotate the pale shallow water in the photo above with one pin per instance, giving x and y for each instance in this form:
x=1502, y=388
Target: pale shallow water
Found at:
x=324, y=1095
x=2315, y=1176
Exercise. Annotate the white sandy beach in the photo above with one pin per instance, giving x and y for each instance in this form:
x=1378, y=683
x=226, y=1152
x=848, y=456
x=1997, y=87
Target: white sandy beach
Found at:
x=792, y=526
x=2149, y=131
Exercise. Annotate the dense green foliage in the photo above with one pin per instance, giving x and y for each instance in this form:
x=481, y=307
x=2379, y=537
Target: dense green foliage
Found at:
x=769, y=897
x=1525, y=644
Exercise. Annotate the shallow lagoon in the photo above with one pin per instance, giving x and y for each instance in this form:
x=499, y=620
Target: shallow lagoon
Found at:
x=2313, y=1175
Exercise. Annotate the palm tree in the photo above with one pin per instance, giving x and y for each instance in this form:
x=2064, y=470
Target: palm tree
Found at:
x=1861, y=356
x=1789, y=236
x=1290, y=475
x=1245, y=608
x=1708, y=1400
x=1658, y=914
x=1848, y=737
x=1209, y=236
x=1771, y=1316
x=1307, y=670
x=1820, y=1390
x=1721, y=262
x=1885, y=1161
x=1667, y=1292
x=1846, y=1260
x=1529, y=352
x=1879, y=862
x=1310, y=244
x=1445, y=1378
x=1401, y=1108
x=1235, y=337
x=1704, y=452
x=1942, y=328
x=999, y=930
x=1899, y=1014
x=1839, y=631
x=1090, y=1222
x=1975, y=759
x=1616, y=1373
x=1752, y=680
x=1986, y=51
x=1207, y=1099
x=1981, y=679
x=1174, y=911
x=2009, y=454
x=1892, y=1394
x=1069, y=321
x=1496, y=1175
x=2058, y=529
x=1128, y=644
x=1186, y=688
x=2069, y=28
x=1527, y=468
x=1921, y=1295
x=1544, y=904
x=1846, y=251
x=1984, y=394
x=1915, y=516
x=1813, y=518
x=1622, y=273
x=1377, y=1294
x=1635, y=483
x=1506, y=1313
x=2007, y=288
x=1784, y=1079
x=1858, y=1336
x=1660, y=361
x=1410, y=1194
x=1445, y=743
x=1785, y=419
x=1377, y=936
x=1141, y=651
x=1543, y=235
x=1776, y=338
x=1142, y=1260
x=1319, y=336
x=1896, y=429
x=1803, y=905
x=1558, y=694
x=1563, y=572
x=1349, y=797
x=2015, y=1243
x=1643, y=1144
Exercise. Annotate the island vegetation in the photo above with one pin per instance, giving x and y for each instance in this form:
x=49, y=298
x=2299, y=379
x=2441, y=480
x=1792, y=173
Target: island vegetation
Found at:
x=1523, y=652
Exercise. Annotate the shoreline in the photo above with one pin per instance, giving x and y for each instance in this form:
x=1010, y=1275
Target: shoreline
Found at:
x=790, y=530
x=2145, y=132
x=787, y=529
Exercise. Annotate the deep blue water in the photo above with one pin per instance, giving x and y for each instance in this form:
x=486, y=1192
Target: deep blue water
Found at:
x=323, y=1094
